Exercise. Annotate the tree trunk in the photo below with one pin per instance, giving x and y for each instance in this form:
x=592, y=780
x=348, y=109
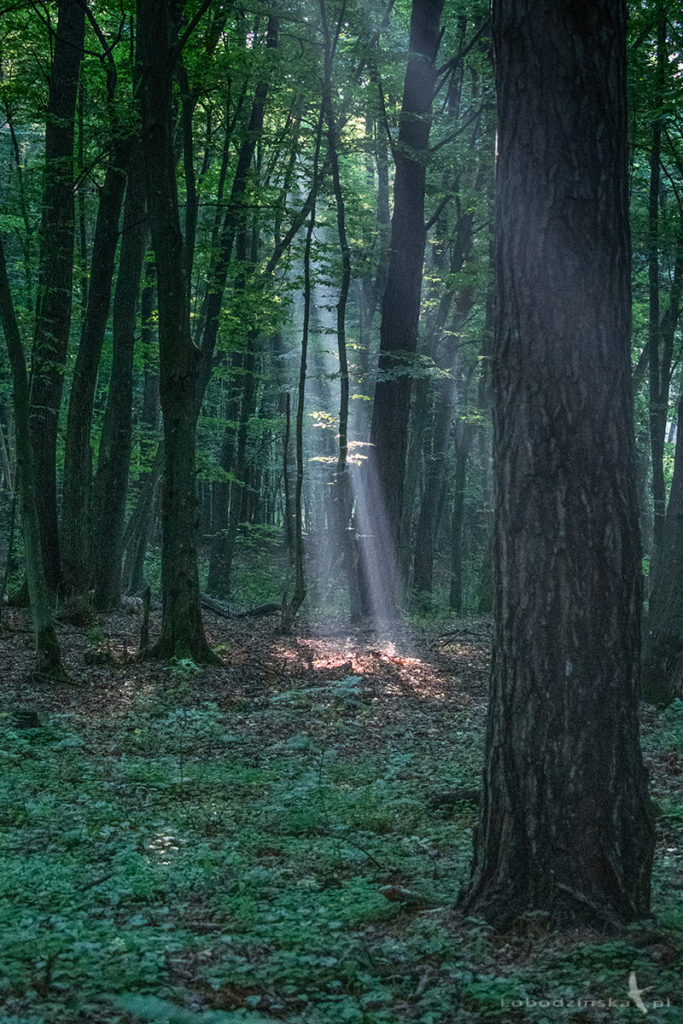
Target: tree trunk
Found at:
x=565, y=825
x=139, y=527
x=401, y=307
x=658, y=371
x=435, y=470
x=53, y=310
x=663, y=646
x=182, y=631
x=111, y=479
x=48, y=655
x=76, y=502
x=291, y=605
x=463, y=443
x=219, y=580
x=340, y=490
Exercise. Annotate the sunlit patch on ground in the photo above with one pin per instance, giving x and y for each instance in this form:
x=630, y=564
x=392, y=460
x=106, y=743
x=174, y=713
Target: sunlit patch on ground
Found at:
x=163, y=847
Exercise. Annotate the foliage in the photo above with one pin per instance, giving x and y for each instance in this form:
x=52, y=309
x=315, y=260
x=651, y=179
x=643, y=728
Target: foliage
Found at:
x=189, y=856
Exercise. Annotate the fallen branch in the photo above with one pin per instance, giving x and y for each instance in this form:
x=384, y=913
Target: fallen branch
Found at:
x=220, y=609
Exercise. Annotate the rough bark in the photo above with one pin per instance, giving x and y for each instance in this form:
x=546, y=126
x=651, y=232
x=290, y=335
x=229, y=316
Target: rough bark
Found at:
x=565, y=824
x=53, y=308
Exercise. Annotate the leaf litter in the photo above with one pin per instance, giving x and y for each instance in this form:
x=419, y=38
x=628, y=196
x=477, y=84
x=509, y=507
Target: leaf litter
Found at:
x=283, y=838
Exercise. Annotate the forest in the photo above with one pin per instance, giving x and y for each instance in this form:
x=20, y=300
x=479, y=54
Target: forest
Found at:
x=341, y=511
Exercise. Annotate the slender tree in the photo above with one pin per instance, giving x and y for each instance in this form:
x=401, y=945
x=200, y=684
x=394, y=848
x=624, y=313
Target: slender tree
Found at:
x=565, y=824
x=182, y=631
x=48, y=655
x=659, y=365
x=401, y=300
x=341, y=499
x=53, y=307
x=663, y=644
x=111, y=479
x=77, y=496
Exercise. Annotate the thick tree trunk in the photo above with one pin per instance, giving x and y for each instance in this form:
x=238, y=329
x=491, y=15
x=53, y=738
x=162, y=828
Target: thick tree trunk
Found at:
x=663, y=646
x=401, y=304
x=110, y=486
x=565, y=824
x=53, y=310
x=182, y=631
x=76, y=502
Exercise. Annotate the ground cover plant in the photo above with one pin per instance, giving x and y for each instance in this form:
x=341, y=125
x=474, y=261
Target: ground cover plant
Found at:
x=284, y=839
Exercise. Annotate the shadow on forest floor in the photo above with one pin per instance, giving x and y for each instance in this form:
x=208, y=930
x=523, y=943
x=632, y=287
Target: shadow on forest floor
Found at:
x=283, y=839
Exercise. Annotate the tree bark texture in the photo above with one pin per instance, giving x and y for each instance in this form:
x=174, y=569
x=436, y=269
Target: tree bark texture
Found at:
x=565, y=823
x=182, y=631
x=53, y=308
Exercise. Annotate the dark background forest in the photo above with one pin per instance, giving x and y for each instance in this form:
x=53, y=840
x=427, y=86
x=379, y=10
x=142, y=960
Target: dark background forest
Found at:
x=293, y=141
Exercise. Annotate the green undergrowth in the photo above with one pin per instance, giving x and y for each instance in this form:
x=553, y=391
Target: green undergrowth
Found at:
x=185, y=862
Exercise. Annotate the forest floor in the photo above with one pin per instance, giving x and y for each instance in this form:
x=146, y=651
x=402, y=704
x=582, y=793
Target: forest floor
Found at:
x=283, y=839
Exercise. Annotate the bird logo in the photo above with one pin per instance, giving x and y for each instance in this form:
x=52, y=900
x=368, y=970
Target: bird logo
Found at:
x=636, y=993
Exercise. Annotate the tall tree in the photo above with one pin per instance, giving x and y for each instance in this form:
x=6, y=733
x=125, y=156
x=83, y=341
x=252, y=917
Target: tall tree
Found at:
x=77, y=497
x=565, y=824
x=663, y=644
x=53, y=308
x=48, y=654
x=659, y=364
x=182, y=631
x=111, y=479
x=401, y=300
x=341, y=499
